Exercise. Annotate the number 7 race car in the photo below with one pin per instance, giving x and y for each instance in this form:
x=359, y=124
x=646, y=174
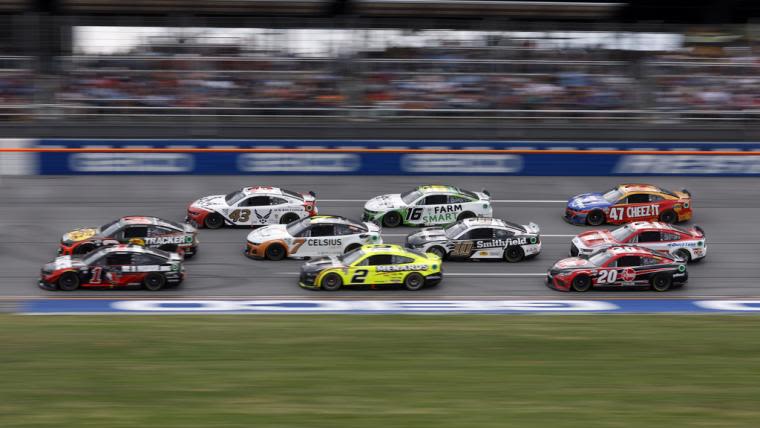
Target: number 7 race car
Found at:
x=251, y=206
x=428, y=206
x=629, y=202
x=618, y=266
x=375, y=265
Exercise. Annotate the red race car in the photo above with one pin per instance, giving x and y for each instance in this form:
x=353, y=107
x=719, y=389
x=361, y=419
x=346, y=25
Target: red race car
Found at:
x=114, y=266
x=616, y=267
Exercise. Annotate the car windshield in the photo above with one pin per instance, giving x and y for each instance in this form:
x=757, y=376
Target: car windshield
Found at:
x=411, y=196
x=600, y=258
x=613, y=195
x=622, y=233
x=109, y=229
x=351, y=257
x=454, y=230
x=295, y=228
x=234, y=197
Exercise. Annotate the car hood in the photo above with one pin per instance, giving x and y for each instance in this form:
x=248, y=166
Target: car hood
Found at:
x=428, y=234
x=385, y=202
x=320, y=264
x=588, y=201
x=573, y=263
x=78, y=235
x=594, y=238
x=210, y=202
x=63, y=262
x=268, y=233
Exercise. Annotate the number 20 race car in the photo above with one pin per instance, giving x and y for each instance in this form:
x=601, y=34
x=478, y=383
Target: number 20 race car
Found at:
x=114, y=266
x=427, y=206
x=375, y=265
x=629, y=202
x=317, y=236
x=479, y=238
x=150, y=232
x=686, y=244
x=618, y=266
x=251, y=206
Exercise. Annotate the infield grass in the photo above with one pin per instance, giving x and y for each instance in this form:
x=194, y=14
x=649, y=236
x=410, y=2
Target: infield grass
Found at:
x=379, y=371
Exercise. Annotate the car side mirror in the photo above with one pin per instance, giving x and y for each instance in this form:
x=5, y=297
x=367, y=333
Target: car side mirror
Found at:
x=364, y=235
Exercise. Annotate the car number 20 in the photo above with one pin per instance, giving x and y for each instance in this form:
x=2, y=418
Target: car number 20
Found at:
x=607, y=276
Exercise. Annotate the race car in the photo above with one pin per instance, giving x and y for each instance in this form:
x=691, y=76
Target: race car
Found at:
x=427, y=206
x=479, y=238
x=317, y=236
x=618, y=266
x=686, y=244
x=150, y=232
x=629, y=202
x=114, y=266
x=251, y=206
x=380, y=264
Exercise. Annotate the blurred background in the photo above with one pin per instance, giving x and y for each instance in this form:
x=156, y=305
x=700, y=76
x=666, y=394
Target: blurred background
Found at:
x=69, y=66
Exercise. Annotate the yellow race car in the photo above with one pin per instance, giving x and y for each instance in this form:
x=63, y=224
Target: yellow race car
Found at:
x=380, y=264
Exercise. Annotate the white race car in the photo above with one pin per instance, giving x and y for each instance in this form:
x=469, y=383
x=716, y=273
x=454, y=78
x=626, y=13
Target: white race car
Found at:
x=686, y=244
x=317, y=236
x=251, y=206
x=427, y=206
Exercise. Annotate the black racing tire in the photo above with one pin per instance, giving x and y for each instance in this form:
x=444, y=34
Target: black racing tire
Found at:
x=213, y=221
x=595, y=218
x=513, y=254
x=331, y=282
x=684, y=254
x=83, y=249
x=438, y=251
x=289, y=218
x=392, y=219
x=154, y=281
x=581, y=283
x=668, y=216
x=661, y=282
x=414, y=281
x=351, y=247
x=275, y=252
x=465, y=215
x=68, y=281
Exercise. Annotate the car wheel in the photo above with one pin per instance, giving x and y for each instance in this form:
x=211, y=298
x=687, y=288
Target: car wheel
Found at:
x=289, y=218
x=684, y=254
x=392, y=219
x=275, y=252
x=661, y=282
x=154, y=281
x=331, y=282
x=438, y=251
x=513, y=254
x=595, y=218
x=213, y=221
x=352, y=247
x=582, y=283
x=69, y=281
x=465, y=215
x=414, y=281
x=83, y=249
x=668, y=217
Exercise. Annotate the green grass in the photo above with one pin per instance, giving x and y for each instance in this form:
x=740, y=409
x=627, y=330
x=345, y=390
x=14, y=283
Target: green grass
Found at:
x=379, y=371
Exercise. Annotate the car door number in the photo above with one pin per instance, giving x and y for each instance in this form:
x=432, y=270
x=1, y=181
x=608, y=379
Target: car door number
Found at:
x=414, y=214
x=462, y=249
x=240, y=216
x=359, y=276
x=616, y=213
x=607, y=276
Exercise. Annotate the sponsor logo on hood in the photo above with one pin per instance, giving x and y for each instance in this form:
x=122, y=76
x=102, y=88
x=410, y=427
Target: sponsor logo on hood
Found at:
x=80, y=234
x=587, y=201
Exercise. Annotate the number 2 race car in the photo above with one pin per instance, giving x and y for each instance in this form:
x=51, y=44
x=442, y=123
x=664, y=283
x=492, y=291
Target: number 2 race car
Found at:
x=629, y=202
x=150, y=232
x=251, y=206
x=618, y=266
x=114, y=266
x=686, y=244
x=375, y=265
x=317, y=236
x=479, y=238
x=428, y=206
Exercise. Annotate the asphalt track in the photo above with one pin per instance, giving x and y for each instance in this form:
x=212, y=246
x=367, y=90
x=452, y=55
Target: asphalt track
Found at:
x=35, y=211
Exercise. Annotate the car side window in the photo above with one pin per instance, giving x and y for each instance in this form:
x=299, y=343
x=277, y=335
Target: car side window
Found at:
x=666, y=236
x=342, y=229
x=627, y=261
x=648, y=261
x=322, y=230
x=456, y=199
x=481, y=233
x=119, y=259
x=135, y=232
x=638, y=198
x=255, y=201
x=649, y=236
x=380, y=259
x=502, y=234
x=655, y=198
x=436, y=199
x=273, y=200
x=402, y=260
x=146, y=260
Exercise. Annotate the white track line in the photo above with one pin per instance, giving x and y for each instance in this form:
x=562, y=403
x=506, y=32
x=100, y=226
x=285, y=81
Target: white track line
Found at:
x=507, y=201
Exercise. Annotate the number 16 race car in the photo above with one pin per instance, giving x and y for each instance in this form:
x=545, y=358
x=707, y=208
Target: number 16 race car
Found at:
x=618, y=266
x=629, y=202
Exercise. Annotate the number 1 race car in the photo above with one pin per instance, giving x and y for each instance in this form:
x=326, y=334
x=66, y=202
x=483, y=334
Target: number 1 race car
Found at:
x=114, y=266
x=428, y=206
x=375, y=265
x=629, y=202
x=317, y=236
x=150, y=232
x=479, y=238
x=251, y=206
x=618, y=266
x=686, y=244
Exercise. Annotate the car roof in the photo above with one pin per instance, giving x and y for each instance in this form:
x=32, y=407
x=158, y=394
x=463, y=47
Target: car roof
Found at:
x=383, y=248
x=145, y=220
x=437, y=189
x=131, y=249
x=333, y=219
x=494, y=222
x=262, y=190
x=639, y=225
x=630, y=250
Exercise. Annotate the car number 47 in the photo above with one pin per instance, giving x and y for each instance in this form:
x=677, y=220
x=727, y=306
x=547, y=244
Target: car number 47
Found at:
x=616, y=213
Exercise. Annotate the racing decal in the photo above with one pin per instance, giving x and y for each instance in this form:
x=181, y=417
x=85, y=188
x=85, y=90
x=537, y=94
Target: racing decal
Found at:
x=620, y=213
x=607, y=276
x=263, y=218
x=400, y=268
x=146, y=268
x=359, y=276
x=81, y=234
x=628, y=275
x=462, y=249
x=324, y=242
x=240, y=216
x=414, y=214
x=161, y=240
x=495, y=243
x=297, y=245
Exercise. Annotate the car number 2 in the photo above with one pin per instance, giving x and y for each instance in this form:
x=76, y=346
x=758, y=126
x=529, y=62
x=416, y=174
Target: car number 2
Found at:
x=607, y=277
x=359, y=276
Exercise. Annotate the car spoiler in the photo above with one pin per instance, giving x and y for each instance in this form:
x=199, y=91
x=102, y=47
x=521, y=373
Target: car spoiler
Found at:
x=687, y=192
x=486, y=192
x=699, y=229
